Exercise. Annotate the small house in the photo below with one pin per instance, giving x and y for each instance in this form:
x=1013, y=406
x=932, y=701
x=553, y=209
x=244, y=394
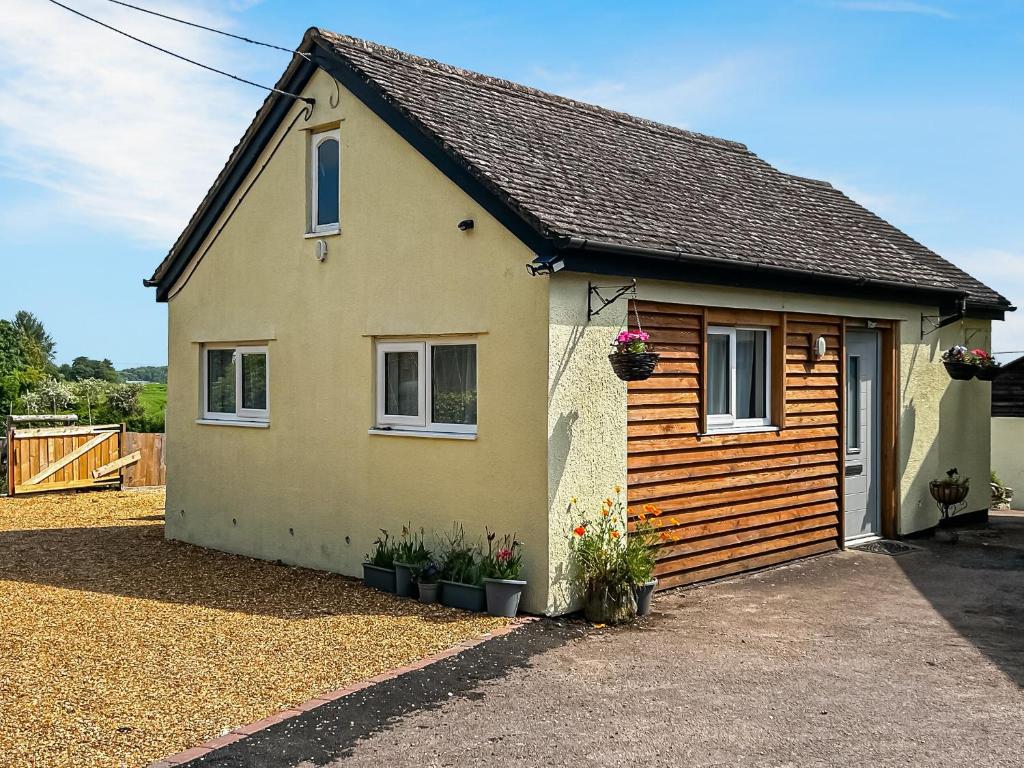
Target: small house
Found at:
x=396, y=303
x=1008, y=426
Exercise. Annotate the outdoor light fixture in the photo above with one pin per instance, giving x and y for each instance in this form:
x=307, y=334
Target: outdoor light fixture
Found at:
x=466, y=224
x=819, y=348
x=545, y=265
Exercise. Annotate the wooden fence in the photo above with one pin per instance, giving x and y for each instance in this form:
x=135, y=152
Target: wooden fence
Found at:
x=78, y=457
x=150, y=468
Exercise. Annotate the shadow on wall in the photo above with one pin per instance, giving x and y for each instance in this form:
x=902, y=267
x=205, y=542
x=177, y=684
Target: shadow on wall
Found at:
x=136, y=561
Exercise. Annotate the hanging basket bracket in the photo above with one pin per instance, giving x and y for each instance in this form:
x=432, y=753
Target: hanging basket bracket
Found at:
x=595, y=308
x=932, y=323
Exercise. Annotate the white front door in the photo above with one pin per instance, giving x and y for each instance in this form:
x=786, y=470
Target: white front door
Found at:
x=862, y=434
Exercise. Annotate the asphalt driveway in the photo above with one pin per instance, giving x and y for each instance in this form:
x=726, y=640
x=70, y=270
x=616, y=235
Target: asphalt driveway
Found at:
x=849, y=659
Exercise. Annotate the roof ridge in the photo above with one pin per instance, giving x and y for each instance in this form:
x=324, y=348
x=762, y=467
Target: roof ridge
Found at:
x=382, y=51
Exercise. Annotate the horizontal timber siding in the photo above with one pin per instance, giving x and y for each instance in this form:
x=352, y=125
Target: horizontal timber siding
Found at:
x=736, y=502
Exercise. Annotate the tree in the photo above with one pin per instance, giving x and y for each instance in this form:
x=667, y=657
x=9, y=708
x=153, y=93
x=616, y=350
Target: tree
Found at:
x=17, y=372
x=87, y=368
x=40, y=343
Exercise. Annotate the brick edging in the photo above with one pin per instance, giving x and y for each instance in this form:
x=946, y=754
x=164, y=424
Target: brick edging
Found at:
x=244, y=731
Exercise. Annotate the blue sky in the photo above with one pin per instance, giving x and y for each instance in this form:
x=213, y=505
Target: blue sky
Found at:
x=915, y=109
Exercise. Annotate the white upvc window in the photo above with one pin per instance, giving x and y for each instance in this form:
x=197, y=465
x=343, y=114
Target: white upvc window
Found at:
x=235, y=383
x=324, y=181
x=427, y=386
x=738, y=372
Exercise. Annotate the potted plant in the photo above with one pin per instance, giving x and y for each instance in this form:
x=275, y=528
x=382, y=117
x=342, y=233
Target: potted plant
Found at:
x=426, y=575
x=640, y=558
x=960, y=363
x=462, y=581
x=1002, y=497
x=608, y=570
x=503, y=566
x=410, y=552
x=950, y=494
x=379, y=565
x=634, y=358
x=987, y=366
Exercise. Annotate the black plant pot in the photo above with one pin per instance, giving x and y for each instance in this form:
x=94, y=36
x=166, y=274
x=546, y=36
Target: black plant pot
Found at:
x=960, y=371
x=633, y=366
x=379, y=578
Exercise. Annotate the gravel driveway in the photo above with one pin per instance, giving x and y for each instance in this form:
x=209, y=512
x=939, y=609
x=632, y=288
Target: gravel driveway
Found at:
x=849, y=659
x=118, y=647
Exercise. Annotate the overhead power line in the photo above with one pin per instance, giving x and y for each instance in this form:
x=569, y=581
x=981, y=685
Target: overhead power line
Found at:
x=208, y=29
x=309, y=101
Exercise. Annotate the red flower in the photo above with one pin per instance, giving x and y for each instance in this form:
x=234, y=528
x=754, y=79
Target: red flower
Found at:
x=615, y=534
x=579, y=530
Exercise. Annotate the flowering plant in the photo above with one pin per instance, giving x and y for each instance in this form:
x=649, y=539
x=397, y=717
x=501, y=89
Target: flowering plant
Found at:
x=633, y=342
x=504, y=560
x=958, y=353
x=410, y=549
x=984, y=359
x=427, y=572
x=610, y=564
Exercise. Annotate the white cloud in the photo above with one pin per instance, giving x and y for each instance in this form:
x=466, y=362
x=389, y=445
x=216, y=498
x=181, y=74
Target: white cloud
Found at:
x=1003, y=269
x=896, y=6
x=119, y=135
x=667, y=94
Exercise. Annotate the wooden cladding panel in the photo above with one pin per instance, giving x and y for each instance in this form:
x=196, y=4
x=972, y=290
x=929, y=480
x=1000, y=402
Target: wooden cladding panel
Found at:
x=735, y=502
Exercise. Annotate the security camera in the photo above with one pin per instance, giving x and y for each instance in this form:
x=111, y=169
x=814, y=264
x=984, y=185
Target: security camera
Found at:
x=545, y=265
x=466, y=224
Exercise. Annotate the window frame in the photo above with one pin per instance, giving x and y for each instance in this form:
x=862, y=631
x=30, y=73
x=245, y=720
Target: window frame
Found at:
x=728, y=422
x=245, y=415
x=425, y=385
x=315, y=140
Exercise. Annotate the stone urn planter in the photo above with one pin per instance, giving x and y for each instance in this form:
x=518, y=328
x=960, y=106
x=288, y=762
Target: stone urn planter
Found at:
x=644, y=594
x=379, y=578
x=468, y=597
x=405, y=586
x=503, y=596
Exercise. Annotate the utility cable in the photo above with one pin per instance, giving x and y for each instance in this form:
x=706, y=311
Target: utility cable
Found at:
x=308, y=101
x=208, y=29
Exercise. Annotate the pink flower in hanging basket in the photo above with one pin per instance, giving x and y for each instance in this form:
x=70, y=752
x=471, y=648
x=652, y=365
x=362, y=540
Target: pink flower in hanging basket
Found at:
x=634, y=342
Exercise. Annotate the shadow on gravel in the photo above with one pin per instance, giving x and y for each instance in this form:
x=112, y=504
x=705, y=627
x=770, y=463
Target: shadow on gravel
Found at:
x=331, y=731
x=977, y=585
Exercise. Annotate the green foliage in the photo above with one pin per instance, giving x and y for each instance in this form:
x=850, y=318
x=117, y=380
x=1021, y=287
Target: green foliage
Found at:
x=153, y=400
x=383, y=554
x=504, y=559
x=609, y=563
x=455, y=407
x=18, y=372
x=410, y=548
x=460, y=561
x=151, y=373
x=39, y=344
x=86, y=368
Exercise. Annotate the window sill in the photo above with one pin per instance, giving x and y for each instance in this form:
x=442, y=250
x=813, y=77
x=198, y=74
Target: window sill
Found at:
x=235, y=423
x=423, y=433
x=739, y=430
x=326, y=233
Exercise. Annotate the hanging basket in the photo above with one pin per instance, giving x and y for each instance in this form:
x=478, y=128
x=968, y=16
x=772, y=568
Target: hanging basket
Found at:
x=634, y=366
x=948, y=493
x=961, y=371
x=987, y=373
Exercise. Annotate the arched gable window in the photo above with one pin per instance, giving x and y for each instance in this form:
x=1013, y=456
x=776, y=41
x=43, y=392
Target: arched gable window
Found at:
x=325, y=167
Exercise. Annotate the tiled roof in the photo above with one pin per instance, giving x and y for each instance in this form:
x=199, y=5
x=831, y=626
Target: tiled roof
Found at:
x=574, y=170
x=588, y=172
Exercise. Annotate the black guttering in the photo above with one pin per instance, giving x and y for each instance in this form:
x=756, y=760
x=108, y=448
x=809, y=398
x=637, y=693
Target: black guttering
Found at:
x=598, y=257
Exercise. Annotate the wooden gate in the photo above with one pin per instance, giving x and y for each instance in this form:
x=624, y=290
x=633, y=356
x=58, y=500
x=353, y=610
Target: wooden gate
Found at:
x=65, y=457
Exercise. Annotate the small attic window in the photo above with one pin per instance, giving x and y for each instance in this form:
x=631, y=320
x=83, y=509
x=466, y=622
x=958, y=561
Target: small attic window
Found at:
x=325, y=167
